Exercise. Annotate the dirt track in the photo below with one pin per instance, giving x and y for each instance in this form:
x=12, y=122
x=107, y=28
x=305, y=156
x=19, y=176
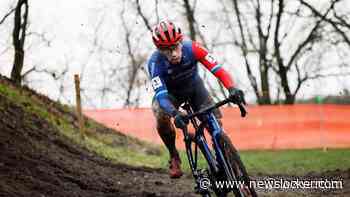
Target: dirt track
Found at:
x=36, y=161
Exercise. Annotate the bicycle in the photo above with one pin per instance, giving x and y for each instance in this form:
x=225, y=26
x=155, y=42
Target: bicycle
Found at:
x=226, y=165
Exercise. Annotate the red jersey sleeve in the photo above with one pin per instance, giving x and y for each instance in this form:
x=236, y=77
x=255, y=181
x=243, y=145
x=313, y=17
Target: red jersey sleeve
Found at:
x=211, y=64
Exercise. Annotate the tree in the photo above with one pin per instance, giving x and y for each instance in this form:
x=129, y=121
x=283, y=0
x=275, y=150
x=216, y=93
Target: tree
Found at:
x=135, y=64
x=265, y=31
x=18, y=36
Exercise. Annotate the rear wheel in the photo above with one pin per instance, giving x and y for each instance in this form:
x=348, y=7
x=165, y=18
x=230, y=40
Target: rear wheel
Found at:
x=236, y=168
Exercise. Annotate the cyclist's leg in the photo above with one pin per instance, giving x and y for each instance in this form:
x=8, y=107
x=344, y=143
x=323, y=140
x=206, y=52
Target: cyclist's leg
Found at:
x=165, y=128
x=166, y=131
x=201, y=98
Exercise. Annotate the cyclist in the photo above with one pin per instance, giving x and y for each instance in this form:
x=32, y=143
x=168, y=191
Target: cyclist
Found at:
x=174, y=76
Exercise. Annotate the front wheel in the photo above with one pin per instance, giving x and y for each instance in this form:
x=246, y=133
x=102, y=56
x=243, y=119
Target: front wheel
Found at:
x=236, y=168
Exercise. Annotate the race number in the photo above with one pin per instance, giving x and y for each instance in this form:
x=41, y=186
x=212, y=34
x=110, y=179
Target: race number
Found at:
x=156, y=83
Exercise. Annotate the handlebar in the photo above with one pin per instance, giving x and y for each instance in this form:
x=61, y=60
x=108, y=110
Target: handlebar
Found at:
x=217, y=105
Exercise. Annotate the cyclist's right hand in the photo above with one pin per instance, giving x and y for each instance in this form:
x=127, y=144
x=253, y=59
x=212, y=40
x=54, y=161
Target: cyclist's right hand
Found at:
x=237, y=95
x=180, y=120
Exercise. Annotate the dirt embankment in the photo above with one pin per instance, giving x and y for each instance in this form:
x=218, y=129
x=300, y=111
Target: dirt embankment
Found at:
x=36, y=160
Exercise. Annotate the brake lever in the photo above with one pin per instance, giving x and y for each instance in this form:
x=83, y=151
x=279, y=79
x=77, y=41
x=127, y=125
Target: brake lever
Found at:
x=242, y=109
x=240, y=105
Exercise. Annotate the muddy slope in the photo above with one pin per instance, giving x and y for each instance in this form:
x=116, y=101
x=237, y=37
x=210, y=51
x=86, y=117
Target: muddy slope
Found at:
x=35, y=160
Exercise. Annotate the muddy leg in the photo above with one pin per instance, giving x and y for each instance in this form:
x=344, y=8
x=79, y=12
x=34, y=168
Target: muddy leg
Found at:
x=166, y=129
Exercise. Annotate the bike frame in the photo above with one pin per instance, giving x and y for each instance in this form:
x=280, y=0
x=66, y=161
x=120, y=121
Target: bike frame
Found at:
x=210, y=122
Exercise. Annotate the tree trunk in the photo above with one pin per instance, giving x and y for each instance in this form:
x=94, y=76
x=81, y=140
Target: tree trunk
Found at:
x=190, y=19
x=19, y=35
x=17, y=66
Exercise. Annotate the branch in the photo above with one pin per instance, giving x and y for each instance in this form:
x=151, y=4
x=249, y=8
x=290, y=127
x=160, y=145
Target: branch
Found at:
x=291, y=22
x=6, y=15
x=135, y=65
x=138, y=7
x=323, y=17
x=25, y=74
x=270, y=19
x=55, y=75
x=309, y=38
x=342, y=21
x=92, y=49
x=251, y=77
x=300, y=80
x=41, y=36
x=277, y=31
x=343, y=74
x=258, y=20
x=249, y=34
x=190, y=18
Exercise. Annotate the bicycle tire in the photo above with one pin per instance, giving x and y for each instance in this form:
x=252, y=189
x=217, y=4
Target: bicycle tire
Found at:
x=213, y=178
x=235, y=163
x=201, y=152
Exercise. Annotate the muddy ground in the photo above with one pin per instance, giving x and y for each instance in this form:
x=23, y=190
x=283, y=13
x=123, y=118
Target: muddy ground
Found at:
x=35, y=160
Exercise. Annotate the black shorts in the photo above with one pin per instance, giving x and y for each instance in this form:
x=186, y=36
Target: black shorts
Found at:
x=198, y=97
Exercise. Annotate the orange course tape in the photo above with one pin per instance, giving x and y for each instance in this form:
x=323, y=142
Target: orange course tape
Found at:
x=299, y=126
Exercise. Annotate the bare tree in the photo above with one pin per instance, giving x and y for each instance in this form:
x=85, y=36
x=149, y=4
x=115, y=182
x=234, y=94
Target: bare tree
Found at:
x=244, y=48
x=302, y=49
x=19, y=35
x=135, y=63
x=194, y=31
x=263, y=35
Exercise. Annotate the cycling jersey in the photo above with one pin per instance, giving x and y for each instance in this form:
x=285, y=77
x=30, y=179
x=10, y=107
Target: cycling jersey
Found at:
x=177, y=80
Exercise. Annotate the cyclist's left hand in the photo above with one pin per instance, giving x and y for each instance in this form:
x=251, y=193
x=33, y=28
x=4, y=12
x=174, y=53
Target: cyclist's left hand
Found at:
x=180, y=121
x=237, y=95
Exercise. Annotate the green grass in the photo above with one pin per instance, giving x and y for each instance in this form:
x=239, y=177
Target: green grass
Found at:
x=118, y=148
x=296, y=162
x=291, y=162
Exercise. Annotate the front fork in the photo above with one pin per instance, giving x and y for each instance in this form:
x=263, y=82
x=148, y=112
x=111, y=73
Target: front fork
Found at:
x=214, y=164
x=199, y=175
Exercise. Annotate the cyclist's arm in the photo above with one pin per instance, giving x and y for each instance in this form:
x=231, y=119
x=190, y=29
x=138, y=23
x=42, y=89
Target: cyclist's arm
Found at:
x=160, y=89
x=211, y=64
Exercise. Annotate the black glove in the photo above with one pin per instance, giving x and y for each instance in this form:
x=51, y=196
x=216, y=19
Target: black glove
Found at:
x=180, y=121
x=237, y=95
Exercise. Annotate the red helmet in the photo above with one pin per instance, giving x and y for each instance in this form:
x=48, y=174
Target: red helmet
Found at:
x=166, y=34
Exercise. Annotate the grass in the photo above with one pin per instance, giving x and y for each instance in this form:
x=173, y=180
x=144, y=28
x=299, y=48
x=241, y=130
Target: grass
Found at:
x=296, y=162
x=118, y=148
x=291, y=162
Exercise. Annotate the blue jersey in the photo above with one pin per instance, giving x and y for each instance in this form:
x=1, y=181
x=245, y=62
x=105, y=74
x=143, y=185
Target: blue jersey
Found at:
x=174, y=79
x=180, y=79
